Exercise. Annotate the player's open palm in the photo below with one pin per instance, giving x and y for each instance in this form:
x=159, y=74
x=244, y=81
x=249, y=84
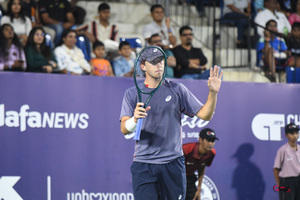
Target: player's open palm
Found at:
x=214, y=81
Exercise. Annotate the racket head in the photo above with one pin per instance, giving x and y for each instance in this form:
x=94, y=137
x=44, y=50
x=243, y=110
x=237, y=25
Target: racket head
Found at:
x=153, y=55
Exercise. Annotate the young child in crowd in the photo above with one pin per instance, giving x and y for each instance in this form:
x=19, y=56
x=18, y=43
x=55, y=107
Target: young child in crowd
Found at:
x=123, y=66
x=100, y=66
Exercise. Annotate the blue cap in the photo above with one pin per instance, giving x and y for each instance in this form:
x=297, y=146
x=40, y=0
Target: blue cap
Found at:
x=152, y=55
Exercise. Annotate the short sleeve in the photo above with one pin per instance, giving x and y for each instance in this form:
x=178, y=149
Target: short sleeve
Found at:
x=278, y=159
x=283, y=45
x=128, y=103
x=189, y=104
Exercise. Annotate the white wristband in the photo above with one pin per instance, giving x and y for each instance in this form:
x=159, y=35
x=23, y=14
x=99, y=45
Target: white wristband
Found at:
x=130, y=125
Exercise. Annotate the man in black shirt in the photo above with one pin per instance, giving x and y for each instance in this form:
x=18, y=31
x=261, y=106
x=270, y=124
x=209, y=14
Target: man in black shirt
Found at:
x=293, y=44
x=57, y=14
x=190, y=61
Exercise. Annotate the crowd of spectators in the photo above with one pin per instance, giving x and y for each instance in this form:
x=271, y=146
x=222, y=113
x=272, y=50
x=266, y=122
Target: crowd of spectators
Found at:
x=25, y=25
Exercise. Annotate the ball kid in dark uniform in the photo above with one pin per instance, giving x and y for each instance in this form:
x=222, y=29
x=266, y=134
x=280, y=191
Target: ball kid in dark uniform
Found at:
x=198, y=155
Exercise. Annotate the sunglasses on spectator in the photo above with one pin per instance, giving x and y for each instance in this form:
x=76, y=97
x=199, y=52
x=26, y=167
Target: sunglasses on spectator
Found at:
x=184, y=35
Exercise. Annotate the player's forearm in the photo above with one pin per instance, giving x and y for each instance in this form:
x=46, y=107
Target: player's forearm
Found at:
x=172, y=40
x=207, y=111
x=276, y=175
x=128, y=125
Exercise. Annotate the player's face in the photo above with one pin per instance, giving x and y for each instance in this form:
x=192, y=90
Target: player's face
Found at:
x=187, y=37
x=99, y=52
x=292, y=137
x=158, y=14
x=125, y=51
x=104, y=15
x=206, y=144
x=154, y=71
x=70, y=40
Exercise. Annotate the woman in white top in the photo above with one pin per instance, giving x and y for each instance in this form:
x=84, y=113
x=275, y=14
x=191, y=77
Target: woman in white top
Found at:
x=70, y=58
x=17, y=18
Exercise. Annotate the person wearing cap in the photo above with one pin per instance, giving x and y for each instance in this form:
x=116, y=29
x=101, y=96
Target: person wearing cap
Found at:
x=158, y=170
x=287, y=165
x=198, y=155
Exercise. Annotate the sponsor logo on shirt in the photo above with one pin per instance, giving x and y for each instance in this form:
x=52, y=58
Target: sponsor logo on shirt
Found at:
x=189, y=163
x=203, y=163
x=288, y=159
x=168, y=98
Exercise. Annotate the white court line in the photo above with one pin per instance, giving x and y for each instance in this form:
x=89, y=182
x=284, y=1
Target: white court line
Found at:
x=48, y=187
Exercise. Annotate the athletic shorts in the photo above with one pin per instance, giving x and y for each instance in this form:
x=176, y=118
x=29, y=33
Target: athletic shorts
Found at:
x=293, y=183
x=159, y=181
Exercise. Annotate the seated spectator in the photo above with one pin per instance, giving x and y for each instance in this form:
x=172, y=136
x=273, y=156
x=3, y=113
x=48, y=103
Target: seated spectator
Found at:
x=78, y=12
x=274, y=50
x=103, y=31
x=56, y=14
x=12, y=57
x=238, y=10
x=40, y=57
x=70, y=59
x=190, y=61
x=100, y=66
x=17, y=18
x=283, y=25
x=156, y=40
x=285, y=6
x=293, y=44
x=161, y=27
x=123, y=66
x=295, y=16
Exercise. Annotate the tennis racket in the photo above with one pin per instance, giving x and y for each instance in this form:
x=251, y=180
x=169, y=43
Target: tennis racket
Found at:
x=153, y=55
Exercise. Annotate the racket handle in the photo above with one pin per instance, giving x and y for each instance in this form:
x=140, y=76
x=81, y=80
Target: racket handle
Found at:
x=138, y=129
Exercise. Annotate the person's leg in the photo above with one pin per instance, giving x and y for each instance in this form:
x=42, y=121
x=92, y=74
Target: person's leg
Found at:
x=172, y=180
x=270, y=59
x=240, y=21
x=289, y=183
x=191, y=188
x=58, y=30
x=200, y=7
x=144, y=181
x=297, y=188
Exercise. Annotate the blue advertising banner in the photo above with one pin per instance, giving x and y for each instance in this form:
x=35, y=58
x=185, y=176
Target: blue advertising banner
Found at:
x=60, y=137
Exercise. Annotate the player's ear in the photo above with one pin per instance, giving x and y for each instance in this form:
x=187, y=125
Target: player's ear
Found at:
x=143, y=66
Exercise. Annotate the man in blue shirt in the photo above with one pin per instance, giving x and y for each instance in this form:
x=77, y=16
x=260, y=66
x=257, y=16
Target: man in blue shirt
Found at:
x=158, y=170
x=272, y=49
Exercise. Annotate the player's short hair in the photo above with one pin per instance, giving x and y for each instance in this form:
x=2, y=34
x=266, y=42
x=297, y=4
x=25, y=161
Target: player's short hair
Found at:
x=270, y=21
x=156, y=6
x=103, y=6
x=183, y=29
x=152, y=36
x=295, y=25
x=124, y=43
x=97, y=44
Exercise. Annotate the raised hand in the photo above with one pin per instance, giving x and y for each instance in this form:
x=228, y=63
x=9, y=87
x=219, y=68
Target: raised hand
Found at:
x=214, y=81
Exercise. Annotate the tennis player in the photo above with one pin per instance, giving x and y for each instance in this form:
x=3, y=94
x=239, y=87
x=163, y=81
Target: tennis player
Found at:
x=158, y=170
x=198, y=155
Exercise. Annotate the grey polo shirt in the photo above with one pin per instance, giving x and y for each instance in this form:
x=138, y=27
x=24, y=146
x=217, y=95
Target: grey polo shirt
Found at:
x=288, y=161
x=153, y=28
x=161, y=141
